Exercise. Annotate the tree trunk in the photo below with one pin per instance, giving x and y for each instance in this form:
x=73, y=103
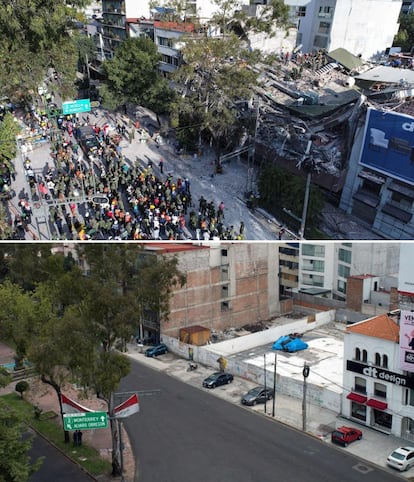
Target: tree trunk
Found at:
x=58, y=391
x=116, y=464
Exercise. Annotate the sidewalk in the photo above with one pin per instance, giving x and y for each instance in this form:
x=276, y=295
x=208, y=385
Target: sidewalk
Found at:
x=45, y=398
x=374, y=447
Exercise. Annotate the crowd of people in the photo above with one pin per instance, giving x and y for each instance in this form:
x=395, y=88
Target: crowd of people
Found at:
x=98, y=193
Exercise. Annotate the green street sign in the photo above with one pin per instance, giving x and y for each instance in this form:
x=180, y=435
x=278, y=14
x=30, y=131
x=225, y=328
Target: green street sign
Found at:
x=85, y=421
x=76, y=107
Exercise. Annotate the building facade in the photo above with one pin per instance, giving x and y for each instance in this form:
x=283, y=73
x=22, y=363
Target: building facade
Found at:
x=379, y=187
x=229, y=285
x=364, y=28
x=377, y=392
x=327, y=266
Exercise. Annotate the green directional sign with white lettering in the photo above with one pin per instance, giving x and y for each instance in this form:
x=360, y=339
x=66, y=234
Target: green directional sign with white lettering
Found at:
x=85, y=421
x=76, y=107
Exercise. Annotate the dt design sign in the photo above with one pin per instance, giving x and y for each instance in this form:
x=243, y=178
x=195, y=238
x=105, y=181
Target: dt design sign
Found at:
x=380, y=374
x=407, y=340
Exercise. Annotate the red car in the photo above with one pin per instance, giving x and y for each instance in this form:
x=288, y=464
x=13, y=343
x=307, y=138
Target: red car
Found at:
x=346, y=435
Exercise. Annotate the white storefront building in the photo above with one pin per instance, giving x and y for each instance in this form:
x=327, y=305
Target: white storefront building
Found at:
x=377, y=392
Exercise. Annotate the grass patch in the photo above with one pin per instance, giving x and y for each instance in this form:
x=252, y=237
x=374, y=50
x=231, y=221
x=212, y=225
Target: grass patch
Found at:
x=47, y=424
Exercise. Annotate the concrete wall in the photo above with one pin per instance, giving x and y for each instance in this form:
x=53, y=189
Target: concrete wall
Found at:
x=209, y=354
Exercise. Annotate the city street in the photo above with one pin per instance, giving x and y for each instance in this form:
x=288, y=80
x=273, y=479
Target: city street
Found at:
x=228, y=187
x=185, y=433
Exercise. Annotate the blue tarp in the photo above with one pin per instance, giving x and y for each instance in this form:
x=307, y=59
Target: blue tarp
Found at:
x=289, y=343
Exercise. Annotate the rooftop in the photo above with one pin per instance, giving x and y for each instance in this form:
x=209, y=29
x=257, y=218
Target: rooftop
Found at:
x=381, y=326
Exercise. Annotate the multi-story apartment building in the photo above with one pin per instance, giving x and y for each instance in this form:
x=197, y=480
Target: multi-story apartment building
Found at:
x=228, y=285
x=328, y=265
x=288, y=268
x=364, y=28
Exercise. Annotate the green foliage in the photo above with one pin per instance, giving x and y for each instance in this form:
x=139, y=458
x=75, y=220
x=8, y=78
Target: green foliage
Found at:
x=5, y=377
x=22, y=387
x=133, y=75
x=15, y=465
x=405, y=35
x=280, y=189
x=215, y=76
x=9, y=128
x=34, y=35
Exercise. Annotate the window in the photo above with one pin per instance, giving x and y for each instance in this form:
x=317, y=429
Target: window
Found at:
x=224, y=273
x=324, y=27
x=320, y=42
x=360, y=385
x=371, y=187
x=384, y=361
x=345, y=255
x=364, y=356
x=224, y=252
x=165, y=42
x=301, y=12
x=358, y=411
x=225, y=306
x=313, y=250
x=357, y=354
x=325, y=11
x=313, y=280
x=342, y=286
x=380, y=390
x=343, y=271
x=377, y=359
x=409, y=397
x=402, y=201
x=224, y=291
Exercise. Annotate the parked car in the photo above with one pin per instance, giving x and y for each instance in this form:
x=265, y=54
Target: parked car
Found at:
x=345, y=435
x=257, y=395
x=156, y=350
x=217, y=379
x=402, y=458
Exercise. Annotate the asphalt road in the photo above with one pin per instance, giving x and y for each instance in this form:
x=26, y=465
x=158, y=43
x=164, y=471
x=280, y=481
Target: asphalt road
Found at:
x=184, y=434
x=55, y=466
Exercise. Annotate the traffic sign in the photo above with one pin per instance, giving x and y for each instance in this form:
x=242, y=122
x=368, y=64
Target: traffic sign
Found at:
x=76, y=106
x=85, y=421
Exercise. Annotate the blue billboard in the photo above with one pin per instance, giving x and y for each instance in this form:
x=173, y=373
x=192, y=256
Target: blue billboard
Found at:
x=388, y=145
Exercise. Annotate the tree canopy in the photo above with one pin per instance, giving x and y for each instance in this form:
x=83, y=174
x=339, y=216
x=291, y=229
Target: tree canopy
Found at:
x=133, y=76
x=405, y=35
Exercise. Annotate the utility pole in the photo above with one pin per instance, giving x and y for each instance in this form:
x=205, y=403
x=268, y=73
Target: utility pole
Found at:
x=264, y=370
x=307, y=191
x=305, y=374
x=274, y=387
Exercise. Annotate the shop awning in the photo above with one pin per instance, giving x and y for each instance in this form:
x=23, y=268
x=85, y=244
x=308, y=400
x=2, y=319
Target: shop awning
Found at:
x=377, y=404
x=355, y=397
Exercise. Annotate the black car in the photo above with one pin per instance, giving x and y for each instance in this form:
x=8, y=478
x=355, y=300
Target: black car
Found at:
x=257, y=395
x=87, y=139
x=217, y=379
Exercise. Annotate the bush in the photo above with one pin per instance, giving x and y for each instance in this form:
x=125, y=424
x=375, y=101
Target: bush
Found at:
x=22, y=387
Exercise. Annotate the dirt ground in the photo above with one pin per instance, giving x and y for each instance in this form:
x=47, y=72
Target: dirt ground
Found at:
x=45, y=398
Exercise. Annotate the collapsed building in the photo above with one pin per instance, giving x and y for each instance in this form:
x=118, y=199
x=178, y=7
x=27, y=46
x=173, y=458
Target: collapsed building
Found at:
x=316, y=113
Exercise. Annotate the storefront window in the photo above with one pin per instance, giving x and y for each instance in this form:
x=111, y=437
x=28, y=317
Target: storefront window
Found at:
x=382, y=419
x=358, y=411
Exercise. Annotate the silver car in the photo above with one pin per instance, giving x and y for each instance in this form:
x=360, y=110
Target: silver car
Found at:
x=402, y=458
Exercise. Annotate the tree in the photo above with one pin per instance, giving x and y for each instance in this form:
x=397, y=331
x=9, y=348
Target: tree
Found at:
x=215, y=77
x=133, y=74
x=280, y=190
x=22, y=387
x=405, y=35
x=35, y=35
x=15, y=463
x=9, y=128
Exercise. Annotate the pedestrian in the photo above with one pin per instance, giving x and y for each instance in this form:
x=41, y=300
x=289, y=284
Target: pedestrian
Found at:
x=281, y=233
x=161, y=166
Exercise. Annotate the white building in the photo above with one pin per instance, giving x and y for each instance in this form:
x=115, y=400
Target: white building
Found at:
x=363, y=27
x=377, y=392
x=326, y=266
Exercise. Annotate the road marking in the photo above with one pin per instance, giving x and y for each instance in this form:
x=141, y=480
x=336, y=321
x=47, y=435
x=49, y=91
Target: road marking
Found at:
x=362, y=468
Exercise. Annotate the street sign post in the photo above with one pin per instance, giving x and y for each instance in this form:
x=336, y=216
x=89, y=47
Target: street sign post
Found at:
x=76, y=106
x=85, y=421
